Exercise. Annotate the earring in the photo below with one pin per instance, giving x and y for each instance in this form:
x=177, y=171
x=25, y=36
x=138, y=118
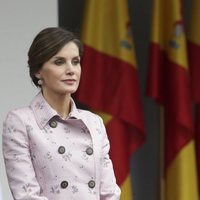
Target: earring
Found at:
x=40, y=82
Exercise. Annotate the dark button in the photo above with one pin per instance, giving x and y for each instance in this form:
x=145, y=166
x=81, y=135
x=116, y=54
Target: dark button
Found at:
x=89, y=151
x=61, y=150
x=53, y=124
x=91, y=184
x=64, y=184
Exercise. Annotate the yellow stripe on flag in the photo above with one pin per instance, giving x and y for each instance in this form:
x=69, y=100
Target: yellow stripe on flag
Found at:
x=106, y=117
x=118, y=45
x=193, y=34
x=126, y=189
x=168, y=30
x=181, y=178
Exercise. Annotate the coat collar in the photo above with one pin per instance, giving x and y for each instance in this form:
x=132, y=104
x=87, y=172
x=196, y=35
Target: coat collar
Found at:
x=44, y=112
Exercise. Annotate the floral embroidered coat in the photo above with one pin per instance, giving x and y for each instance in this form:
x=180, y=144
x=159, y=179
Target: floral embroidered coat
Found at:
x=50, y=158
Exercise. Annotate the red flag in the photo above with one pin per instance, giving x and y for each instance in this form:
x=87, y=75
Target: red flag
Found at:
x=109, y=82
x=168, y=84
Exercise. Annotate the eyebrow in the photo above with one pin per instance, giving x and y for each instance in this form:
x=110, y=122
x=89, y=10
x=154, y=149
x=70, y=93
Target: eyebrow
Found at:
x=60, y=57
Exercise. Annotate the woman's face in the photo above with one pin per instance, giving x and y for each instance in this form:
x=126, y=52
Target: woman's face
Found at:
x=61, y=74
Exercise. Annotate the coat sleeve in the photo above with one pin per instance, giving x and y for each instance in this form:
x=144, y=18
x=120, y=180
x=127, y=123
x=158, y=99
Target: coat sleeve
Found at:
x=20, y=172
x=109, y=190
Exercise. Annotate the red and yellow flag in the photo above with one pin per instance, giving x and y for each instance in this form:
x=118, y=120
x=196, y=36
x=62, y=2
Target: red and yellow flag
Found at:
x=109, y=83
x=168, y=83
x=194, y=63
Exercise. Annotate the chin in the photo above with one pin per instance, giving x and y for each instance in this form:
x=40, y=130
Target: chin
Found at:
x=68, y=91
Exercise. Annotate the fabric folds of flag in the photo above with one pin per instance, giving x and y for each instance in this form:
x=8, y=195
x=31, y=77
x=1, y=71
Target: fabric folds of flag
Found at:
x=168, y=84
x=194, y=49
x=109, y=83
x=194, y=64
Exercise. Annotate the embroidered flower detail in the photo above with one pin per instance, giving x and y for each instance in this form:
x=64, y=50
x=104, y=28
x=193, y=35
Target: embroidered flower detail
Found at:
x=47, y=129
x=67, y=156
x=74, y=189
x=67, y=130
x=16, y=157
x=10, y=129
x=49, y=156
x=91, y=191
x=84, y=130
x=55, y=189
x=44, y=121
x=27, y=188
x=85, y=156
x=105, y=162
x=44, y=167
x=40, y=105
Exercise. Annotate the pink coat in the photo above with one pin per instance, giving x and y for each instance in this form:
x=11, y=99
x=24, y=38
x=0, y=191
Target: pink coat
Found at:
x=50, y=158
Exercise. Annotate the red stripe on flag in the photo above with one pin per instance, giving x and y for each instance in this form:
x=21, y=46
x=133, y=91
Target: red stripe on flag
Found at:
x=194, y=59
x=120, y=135
x=114, y=85
x=155, y=80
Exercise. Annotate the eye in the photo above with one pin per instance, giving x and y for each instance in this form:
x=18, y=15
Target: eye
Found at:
x=59, y=62
x=76, y=61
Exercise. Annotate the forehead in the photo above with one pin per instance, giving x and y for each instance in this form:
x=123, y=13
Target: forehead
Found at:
x=70, y=49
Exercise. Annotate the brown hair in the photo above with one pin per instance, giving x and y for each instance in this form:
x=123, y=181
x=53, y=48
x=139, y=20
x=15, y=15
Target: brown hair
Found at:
x=45, y=45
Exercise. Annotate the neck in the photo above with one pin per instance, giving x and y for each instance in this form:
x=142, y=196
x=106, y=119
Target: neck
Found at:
x=59, y=102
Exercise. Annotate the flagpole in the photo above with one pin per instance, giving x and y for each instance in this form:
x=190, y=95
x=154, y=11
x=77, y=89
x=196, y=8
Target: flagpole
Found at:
x=162, y=155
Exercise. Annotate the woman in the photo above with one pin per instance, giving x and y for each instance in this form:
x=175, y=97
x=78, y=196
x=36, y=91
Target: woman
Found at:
x=52, y=150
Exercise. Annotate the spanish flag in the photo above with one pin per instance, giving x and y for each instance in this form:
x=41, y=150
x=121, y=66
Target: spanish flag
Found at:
x=109, y=83
x=168, y=84
x=194, y=64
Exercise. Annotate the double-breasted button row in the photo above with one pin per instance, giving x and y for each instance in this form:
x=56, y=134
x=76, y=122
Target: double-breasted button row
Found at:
x=89, y=151
x=64, y=184
x=61, y=150
x=53, y=124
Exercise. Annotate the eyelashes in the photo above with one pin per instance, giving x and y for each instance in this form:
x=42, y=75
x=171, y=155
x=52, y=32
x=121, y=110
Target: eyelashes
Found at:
x=59, y=62
x=62, y=61
x=76, y=62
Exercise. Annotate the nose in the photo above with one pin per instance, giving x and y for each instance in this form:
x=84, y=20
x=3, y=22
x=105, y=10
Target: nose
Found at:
x=69, y=69
x=70, y=73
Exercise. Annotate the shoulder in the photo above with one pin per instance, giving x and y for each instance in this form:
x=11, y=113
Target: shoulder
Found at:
x=18, y=114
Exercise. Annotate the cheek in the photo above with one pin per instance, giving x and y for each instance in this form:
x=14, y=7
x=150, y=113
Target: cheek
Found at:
x=51, y=74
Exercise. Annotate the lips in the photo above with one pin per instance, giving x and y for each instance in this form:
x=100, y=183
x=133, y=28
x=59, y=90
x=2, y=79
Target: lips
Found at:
x=69, y=81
